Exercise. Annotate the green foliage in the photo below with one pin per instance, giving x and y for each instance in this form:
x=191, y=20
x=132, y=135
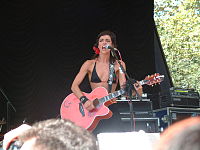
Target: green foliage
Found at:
x=178, y=25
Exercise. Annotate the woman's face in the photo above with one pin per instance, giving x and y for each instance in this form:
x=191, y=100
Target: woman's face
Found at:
x=103, y=41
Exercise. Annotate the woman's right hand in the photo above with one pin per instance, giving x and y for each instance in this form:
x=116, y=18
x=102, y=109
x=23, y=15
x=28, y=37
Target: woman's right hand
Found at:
x=89, y=105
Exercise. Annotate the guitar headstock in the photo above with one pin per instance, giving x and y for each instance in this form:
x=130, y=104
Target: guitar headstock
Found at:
x=153, y=79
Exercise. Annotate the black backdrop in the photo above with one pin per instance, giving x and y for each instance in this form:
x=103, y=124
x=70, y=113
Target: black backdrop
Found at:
x=44, y=43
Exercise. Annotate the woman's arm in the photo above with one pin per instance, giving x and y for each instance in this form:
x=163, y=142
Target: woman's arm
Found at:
x=122, y=80
x=77, y=81
x=138, y=88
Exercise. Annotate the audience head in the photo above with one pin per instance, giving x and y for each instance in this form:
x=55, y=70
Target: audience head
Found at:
x=57, y=134
x=183, y=135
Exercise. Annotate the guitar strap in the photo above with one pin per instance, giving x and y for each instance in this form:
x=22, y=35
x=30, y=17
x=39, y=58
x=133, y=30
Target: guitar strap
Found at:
x=110, y=78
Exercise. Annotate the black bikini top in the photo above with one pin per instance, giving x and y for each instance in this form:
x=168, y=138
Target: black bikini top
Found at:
x=95, y=78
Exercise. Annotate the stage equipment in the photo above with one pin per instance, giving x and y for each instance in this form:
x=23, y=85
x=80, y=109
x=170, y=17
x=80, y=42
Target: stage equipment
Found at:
x=169, y=115
x=9, y=108
x=142, y=115
x=2, y=122
x=141, y=109
x=179, y=97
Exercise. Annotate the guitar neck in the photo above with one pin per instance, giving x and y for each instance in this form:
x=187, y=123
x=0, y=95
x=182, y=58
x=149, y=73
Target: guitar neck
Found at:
x=142, y=82
x=122, y=91
x=116, y=93
x=111, y=96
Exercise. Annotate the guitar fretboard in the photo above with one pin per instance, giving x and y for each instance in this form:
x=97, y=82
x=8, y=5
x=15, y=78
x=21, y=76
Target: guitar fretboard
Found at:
x=142, y=82
x=111, y=96
x=115, y=94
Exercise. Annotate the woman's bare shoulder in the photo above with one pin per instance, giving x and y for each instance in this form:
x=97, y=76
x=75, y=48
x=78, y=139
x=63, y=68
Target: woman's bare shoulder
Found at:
x=88, y=63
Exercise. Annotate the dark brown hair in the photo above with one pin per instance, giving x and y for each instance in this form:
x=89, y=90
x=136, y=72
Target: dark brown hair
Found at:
x=113, y=39
x=112, y=36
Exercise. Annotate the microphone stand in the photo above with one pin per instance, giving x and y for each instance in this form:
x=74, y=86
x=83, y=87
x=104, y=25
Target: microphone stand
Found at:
x=129, y=87
x=8, y=103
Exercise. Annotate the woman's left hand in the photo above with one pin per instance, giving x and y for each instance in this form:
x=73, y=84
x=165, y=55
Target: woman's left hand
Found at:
x=138, y=88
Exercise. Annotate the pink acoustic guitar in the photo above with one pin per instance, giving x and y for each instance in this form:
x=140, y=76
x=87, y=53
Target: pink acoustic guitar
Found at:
x=89, y=119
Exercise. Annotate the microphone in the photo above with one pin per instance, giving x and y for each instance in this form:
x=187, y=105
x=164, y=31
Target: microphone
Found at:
x=110, y=47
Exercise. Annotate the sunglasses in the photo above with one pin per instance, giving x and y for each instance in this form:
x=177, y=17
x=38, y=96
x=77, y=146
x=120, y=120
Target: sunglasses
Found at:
x=15, y=145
